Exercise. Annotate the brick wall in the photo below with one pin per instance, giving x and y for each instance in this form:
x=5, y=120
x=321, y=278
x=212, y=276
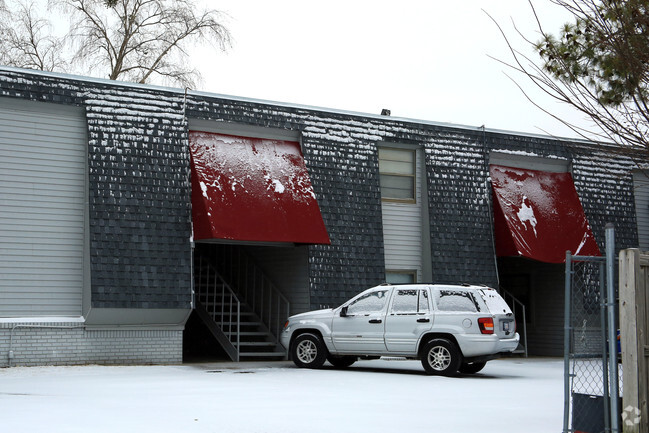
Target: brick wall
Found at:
x=60, y=343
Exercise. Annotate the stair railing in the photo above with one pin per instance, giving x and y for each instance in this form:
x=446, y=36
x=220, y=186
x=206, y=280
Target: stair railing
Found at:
x=221, y=303
x=255, y=288
x=515, y=305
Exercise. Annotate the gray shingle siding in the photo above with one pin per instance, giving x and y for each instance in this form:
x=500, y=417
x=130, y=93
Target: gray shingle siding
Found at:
x=605, y=187
x=347, y=188
x=459, y=210
x=140, y=215
x=41, y=88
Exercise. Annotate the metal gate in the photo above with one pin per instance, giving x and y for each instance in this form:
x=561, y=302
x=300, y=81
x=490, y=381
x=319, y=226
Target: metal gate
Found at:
x=590, y=344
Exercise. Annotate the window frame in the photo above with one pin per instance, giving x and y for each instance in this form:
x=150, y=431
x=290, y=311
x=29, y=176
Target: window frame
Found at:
x=412, y=272
x=413, y=176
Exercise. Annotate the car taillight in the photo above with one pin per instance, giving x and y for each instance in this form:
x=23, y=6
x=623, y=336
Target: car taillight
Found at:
x=286, y=324
x=486, y=325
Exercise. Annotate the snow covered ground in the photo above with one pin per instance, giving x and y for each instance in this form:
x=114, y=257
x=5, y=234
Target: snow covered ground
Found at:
x=511, y=395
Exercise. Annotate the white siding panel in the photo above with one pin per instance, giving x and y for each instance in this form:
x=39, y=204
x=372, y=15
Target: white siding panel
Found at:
x=402, y=231
x=43, y=192
x=641, y=191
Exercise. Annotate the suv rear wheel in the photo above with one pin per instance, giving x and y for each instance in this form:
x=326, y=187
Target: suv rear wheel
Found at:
x=441, y=356
x=308, y=351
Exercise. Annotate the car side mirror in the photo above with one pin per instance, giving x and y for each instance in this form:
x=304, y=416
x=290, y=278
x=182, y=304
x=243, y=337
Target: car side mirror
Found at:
x=343, y=312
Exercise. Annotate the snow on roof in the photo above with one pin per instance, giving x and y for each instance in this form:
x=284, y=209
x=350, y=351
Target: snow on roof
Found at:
x=190, y=92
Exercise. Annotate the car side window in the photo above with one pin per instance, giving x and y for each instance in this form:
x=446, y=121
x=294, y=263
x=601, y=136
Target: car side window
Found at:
x=368, y=303
x=410, y=301
x=456, y=300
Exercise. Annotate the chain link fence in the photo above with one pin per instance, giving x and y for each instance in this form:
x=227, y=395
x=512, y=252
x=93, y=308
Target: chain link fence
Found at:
x=587, y=386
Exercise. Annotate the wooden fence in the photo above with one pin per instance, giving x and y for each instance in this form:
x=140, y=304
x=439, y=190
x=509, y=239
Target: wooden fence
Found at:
x=634, y=336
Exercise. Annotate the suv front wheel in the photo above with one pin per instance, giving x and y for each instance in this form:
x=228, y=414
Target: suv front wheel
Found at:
x=308, y=351
x=442, y=357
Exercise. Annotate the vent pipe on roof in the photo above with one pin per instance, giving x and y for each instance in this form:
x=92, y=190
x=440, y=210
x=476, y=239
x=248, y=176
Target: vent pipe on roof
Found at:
x=385, y=112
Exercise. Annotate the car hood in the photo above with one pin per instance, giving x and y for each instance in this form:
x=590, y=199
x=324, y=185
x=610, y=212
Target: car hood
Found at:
x=318, y=314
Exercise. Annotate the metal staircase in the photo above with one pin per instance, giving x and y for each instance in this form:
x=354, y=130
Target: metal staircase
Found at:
x=242, y=309
x=517, y=307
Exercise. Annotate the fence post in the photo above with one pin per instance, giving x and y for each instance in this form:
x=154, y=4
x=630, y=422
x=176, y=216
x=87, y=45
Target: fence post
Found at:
x=566, y=346
x=614, y=390
x=633, y=330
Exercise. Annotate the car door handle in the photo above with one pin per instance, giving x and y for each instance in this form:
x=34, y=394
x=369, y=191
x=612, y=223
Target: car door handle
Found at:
x=423, y=320
x=376, y=321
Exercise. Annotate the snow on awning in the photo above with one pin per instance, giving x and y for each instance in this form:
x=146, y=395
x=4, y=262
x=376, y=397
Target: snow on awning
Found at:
x=252, y=189
x=537, y=214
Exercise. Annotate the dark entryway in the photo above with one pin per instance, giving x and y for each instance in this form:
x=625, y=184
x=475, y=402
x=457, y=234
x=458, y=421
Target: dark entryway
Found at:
x=199, y=345
x=540, y=287
x=243, y=294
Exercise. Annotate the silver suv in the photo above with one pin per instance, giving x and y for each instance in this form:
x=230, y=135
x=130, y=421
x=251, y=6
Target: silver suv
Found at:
x=450, y=328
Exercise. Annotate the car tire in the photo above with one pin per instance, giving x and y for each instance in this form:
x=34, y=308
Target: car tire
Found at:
x=341, y=361
x=308, y=351
x=472, y=368
x=441, y=357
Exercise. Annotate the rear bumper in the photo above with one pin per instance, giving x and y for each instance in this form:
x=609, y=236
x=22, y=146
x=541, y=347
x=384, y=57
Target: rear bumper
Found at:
x=478, y=345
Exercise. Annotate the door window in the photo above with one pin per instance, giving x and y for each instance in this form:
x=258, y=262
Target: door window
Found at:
x=368, y=303
x=456, y=300
x=410, y=301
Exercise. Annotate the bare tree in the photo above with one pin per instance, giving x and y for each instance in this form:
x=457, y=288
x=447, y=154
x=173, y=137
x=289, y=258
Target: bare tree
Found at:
x=138, y=39
x=132, y=40
x=598, y=64
x=27, y=39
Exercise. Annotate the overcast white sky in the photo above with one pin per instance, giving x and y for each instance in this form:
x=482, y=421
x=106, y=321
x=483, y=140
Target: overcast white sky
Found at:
x=424, y=60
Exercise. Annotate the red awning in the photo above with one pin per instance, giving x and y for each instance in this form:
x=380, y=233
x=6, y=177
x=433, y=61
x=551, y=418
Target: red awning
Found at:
x=538, y=215
x=252, y=189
